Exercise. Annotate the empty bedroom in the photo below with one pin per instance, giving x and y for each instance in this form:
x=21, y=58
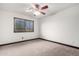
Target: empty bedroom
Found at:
x=39, y=29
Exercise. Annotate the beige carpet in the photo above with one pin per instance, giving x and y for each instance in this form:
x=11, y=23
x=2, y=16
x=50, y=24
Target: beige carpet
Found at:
x=37, y=48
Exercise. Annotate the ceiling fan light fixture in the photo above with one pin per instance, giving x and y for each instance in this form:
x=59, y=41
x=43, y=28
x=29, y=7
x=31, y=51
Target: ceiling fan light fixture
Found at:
x=36, y=13
x=37, y=9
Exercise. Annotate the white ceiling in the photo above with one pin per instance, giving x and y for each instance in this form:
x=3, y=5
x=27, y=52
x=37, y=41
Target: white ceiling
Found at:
x=21, y=7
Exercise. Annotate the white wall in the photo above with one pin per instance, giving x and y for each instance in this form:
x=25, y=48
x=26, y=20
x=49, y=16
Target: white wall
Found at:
x=7, y=34
x=62, y=27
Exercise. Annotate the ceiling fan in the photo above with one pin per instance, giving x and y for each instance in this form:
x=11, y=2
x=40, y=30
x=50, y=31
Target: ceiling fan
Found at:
x=38, y=9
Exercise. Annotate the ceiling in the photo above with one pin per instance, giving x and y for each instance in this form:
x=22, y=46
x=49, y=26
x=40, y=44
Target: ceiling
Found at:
x=21, y=7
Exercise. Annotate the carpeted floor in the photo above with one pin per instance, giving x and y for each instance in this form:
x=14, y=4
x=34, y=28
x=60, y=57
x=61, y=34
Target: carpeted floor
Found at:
x=37, y=48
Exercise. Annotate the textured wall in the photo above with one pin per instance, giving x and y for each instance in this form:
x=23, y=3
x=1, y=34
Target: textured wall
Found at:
x=62, y=27
x=7, y=34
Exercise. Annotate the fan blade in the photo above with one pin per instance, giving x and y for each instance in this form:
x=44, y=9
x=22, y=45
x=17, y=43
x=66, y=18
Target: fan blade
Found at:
x=43, y=13
x=35, y=6
x=44, y=7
